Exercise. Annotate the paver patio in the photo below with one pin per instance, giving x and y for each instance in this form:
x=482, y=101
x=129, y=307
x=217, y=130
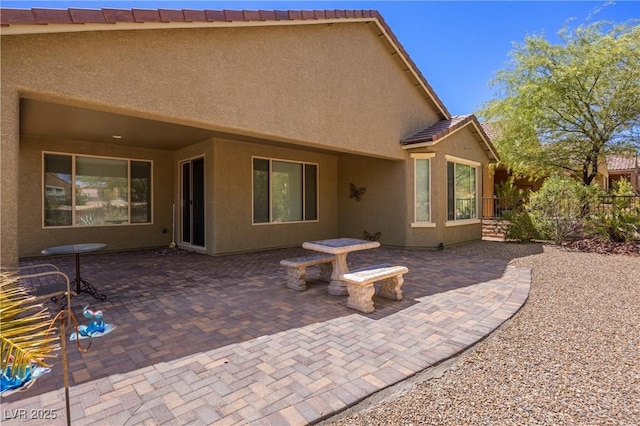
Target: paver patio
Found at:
x=222, y=340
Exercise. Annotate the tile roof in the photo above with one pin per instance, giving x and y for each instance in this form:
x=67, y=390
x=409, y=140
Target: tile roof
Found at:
x=72, y=16
x=491, y=129
x=438, y=130
x=42, y=16
x=617, y=162
x=443, y=128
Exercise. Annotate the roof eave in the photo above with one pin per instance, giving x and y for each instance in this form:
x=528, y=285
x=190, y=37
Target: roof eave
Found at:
x=418, y=145
x=125, y=24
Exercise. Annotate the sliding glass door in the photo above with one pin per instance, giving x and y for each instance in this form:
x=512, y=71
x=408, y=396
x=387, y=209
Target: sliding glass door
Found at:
x=192, y=202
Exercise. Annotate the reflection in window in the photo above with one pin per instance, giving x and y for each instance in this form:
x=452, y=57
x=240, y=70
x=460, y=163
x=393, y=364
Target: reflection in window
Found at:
x=284, y=191
x=422, y=193
x=101, y=191
x=98, y=191
x=461, y=191
x=57, y=194
x=140, y=192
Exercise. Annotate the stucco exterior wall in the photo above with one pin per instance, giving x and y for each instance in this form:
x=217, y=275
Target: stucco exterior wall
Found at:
x=383, y=206
x=233, y=227
x=9, y=151
x=34, y=237
x=462, y=144
x=337, y=87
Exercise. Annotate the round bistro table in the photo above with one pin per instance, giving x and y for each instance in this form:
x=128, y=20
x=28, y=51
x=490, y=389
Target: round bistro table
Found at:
x=82, y=285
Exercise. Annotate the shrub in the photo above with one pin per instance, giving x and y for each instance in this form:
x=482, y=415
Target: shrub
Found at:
x=616, y=225
x=623, y=188
x=521, y=227
x=558, y=208
x=510, y=196
x=618, y=221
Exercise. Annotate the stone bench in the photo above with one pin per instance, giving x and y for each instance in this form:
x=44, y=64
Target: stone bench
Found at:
x=297, y=269
x=361, y=289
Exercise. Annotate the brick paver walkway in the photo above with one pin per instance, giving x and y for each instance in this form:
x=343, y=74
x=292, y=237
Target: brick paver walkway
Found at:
x=221, y=340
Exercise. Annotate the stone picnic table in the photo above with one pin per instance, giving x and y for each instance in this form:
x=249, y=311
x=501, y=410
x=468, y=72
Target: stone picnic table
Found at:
x=340, y=247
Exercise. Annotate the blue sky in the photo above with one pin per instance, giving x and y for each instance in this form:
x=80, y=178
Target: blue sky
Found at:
x=457, y=45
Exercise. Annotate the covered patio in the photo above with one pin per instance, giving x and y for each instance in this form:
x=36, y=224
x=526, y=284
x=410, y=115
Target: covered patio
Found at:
x=171, y=306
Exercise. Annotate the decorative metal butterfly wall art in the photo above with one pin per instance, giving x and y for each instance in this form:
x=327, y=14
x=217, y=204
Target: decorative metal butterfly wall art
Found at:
x=356, y=192
x=371, y=237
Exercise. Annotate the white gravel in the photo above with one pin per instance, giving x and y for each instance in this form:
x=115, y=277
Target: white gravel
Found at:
x=570, y=356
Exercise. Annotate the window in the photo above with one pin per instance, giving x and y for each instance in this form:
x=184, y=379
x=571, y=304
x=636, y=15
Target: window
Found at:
x=461, y=189
x=93, y=191
x=422, y=188
x=284, y=191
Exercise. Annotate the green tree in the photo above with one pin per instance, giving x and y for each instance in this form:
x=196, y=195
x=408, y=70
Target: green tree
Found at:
x=564, y=107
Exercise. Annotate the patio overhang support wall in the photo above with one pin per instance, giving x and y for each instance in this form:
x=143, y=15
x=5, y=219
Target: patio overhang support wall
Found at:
x=9, y=152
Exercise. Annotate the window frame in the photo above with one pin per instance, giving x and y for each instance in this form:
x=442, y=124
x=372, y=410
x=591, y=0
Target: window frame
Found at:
x=477, y=166
x=74, y=221
x=270, y=198
x=419, y=223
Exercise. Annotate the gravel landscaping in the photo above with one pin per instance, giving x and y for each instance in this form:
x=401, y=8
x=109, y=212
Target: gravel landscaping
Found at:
x=570, y=356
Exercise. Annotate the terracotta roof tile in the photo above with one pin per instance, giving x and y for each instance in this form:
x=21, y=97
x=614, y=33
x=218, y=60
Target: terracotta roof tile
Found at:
x=216, y=15
x=87, y=16
x=233, y=15
x=330, y=14
x=171, y=15
x=146, y=15
x=295, y=14
x=268, y=15
x=491, y=129
x=118, y=15
x=308, y=14
x=75, y=15
x=282, y=15
x=252, y=15
x=52, y=16
x=194, y=15
x=618, y=162
x=438, y=130
x=17, y=16
x=445, y=127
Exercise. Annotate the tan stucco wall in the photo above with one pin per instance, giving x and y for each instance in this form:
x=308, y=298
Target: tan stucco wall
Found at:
x=383, y=206
x=387, y=206
x=33, y=237
x=332, y=86
x=462, y=144
x=233, y=229
x=9, y=143
x=336, y=86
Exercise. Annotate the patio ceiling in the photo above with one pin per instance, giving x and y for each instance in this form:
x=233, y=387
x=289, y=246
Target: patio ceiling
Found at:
x=46, y=119
x=40, y=118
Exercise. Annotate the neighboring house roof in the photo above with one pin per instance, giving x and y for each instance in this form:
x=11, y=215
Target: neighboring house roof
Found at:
x=491, y=129
x=440, y=130
x=619, y=163
x=37, y=20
